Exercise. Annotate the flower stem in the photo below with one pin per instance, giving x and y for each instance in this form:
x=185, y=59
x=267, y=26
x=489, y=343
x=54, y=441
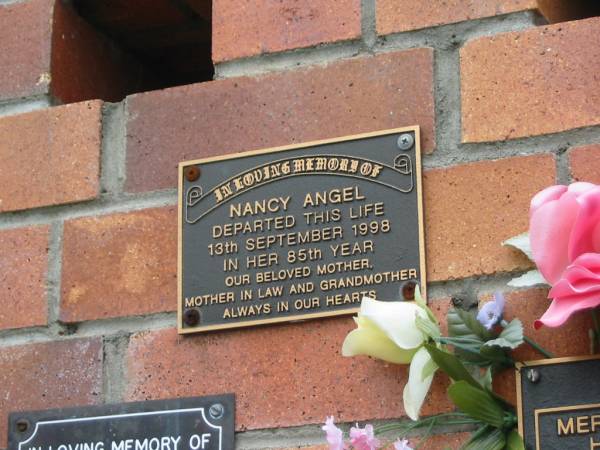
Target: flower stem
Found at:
x=531, y=342
x=453, y=418
x=539, y=348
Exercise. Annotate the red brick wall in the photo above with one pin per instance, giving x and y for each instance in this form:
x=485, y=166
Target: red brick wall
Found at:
x=88, y=231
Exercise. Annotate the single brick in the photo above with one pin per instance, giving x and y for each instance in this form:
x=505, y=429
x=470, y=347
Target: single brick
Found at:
x=472, y=208
x=48, y=49
x=585, y=163
x=283, y=375
x=23, y=277
x=251, y=28
x=543, y=80
x=49, y=375
x=395, y=16
x=119, y=265
x=226, y=116
x=570, y=339
x=50, y=156
x=25, y=52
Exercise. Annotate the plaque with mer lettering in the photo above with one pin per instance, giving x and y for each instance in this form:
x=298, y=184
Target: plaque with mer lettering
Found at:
x=559, y=403
x=301, y=231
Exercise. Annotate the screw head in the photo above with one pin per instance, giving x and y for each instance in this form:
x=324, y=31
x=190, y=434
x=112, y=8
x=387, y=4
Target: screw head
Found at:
x=192, y=173
x=191, y=317
x=408, y=290
x=216, y=411
x=533, y=376
x=406, y=141
x=22, y=425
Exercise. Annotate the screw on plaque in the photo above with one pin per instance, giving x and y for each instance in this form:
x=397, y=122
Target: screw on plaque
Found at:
x=22, y=425
x=408, y=290
x=533, y=375
x=191, y=317
x=406, y=141
x=192, y=173
x=216, y=411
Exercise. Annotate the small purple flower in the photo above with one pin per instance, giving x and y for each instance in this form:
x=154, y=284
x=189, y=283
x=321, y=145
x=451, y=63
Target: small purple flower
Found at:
x=491, y=313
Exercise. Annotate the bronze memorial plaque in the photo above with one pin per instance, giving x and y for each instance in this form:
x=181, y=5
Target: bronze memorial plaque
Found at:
x=559, y=403
x=300, y=231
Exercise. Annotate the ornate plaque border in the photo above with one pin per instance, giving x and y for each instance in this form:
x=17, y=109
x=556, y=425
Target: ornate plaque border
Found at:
x=182, y=165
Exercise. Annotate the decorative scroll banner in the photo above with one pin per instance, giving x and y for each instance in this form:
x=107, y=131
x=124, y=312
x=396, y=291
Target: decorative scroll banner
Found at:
x=201, y=423
x=300, y=231
x=559, y=403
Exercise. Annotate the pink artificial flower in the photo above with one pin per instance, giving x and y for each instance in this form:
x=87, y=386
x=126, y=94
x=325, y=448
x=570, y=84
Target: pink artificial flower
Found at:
x=402, y=445
x=565, y=224
x=335, y=437
x=364, y=438
x=579, y=288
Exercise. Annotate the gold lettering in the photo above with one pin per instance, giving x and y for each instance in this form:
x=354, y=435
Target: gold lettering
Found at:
x=583, y=424
x=209, y=299
x=563, y=429
x=593, y=444
x=595, y=422
x=333, y=196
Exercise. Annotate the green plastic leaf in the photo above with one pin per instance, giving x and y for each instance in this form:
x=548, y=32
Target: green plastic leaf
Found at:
x=511, y=337
x=522, y=243
x=451, y=365
x=465, y=324
x=489, y=439
x=428, y=327
x=515, y=441
x=477, y=403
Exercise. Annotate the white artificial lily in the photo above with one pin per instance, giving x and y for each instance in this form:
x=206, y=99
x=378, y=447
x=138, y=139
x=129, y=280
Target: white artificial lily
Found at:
x=389, y=331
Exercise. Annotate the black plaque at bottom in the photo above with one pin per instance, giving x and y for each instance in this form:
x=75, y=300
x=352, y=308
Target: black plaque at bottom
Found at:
x=201, y=423
x=559, y=403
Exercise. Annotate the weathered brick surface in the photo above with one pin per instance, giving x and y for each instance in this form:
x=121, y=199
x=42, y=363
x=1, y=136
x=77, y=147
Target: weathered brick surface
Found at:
x=472, y=208
x=49, y=375
x=226, y=116
x=250, y=28
x=119, y=265
x=284, y=375
x=50, y=156
x=48, y=49
x=569, y=340
x=404, y=15
x=585, y=163
x=539, y=81
x=25, y=52
x=23, y=277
